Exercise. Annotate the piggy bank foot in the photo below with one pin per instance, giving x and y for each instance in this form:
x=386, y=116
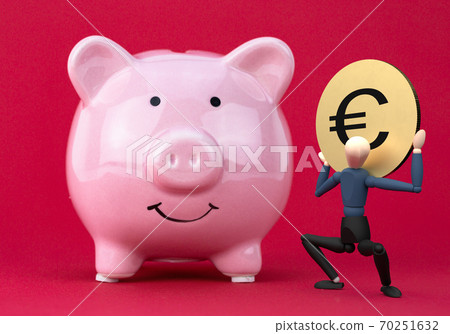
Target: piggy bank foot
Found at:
x=241, y=262
x=114, y=262
x=111, y=278
x=243, y=279
x=105, y=279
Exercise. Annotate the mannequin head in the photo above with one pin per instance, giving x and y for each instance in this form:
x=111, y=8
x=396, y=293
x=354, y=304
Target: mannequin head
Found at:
x=357, y=150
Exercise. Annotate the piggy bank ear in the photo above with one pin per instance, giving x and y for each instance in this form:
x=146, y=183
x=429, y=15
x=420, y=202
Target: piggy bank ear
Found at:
x=92, y=62
x=269, y=60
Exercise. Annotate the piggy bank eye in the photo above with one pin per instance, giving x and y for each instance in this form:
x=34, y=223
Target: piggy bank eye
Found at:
x=215, y=101
x=155, y=101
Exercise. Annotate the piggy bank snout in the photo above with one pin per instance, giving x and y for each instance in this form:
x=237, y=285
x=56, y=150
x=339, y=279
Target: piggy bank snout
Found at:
x=193, y=159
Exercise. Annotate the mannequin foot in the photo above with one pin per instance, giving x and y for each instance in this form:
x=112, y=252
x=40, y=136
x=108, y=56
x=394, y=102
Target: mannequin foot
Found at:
x=330, y=285
x=391, y=291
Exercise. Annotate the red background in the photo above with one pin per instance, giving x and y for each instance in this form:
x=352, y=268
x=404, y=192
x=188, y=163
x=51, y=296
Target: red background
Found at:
x=47, y=256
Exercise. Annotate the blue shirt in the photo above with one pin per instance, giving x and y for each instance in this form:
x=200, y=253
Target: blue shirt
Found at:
x=355, y=183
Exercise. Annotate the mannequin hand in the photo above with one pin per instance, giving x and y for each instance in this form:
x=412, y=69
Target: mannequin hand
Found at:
x=418, y=141
x=322, y=157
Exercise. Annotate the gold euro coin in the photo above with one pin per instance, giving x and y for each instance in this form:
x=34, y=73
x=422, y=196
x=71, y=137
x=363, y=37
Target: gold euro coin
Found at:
x=375, y=100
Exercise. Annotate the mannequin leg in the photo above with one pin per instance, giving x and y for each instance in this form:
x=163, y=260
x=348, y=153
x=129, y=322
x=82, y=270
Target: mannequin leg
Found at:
x=312, y=244
x=368, y=248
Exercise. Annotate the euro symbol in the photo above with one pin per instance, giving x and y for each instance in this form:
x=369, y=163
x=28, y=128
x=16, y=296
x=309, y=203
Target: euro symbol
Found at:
x=340, y=116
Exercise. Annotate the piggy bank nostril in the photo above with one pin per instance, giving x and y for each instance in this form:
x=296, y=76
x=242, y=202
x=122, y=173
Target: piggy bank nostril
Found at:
x=169, y=160
x=172, y=159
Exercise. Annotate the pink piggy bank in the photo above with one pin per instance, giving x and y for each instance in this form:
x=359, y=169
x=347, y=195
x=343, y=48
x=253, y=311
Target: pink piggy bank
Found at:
x=167, y=157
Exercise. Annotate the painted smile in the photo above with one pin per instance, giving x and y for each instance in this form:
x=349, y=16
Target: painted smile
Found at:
x=162, y=214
